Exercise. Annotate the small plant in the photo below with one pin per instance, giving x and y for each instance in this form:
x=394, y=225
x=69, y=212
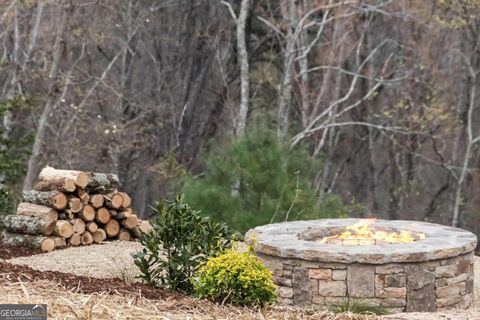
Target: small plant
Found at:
x=235, y=277
x=358, y=307
x=180, y=241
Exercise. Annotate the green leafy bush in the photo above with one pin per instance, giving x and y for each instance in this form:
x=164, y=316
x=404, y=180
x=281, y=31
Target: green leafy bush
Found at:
x=235, y=277
x=181, y=239
x=257, y=179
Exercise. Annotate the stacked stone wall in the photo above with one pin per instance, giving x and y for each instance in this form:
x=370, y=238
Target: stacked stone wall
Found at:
x=422, y=286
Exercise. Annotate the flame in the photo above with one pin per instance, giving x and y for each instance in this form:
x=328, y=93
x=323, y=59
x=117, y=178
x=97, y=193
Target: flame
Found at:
x=361, y=233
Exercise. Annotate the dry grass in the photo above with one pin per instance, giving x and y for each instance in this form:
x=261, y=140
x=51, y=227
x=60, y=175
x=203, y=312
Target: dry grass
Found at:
x=64, y=304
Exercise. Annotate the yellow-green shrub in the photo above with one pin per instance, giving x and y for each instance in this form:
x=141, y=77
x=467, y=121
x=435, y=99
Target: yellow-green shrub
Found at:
x=235, y=277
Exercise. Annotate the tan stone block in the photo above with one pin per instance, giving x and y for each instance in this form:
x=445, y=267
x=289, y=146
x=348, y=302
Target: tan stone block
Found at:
x=392, y=302
x=448, y=291
x=318, y=299
x=332, y=288
x=397, y=280
x=389, y=268
x=398, y=293
x=284, y=301
x=310, y=264
x=441, y=282
x=285, y=292
x=287, y=273
x=339, y=274
x=282, y=281
x=274, y=265
x=448, y=301
x=314, y=286
x=445, y=271
x=321, y=274
x=361, y=281
x=466, y=301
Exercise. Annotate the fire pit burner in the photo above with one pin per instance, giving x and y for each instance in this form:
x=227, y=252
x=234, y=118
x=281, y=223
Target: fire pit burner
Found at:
x=401, y=265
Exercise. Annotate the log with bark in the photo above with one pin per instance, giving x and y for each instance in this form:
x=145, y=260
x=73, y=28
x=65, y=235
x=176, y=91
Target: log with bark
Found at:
x=29, y=225
x=35, y=210
x=43, y=243
x=106, y=180
x=53, y=199
x=79, y=178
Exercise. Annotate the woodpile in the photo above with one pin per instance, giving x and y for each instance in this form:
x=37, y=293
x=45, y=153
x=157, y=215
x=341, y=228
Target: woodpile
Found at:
x=72, y=208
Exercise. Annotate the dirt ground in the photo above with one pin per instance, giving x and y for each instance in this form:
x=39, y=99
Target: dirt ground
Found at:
x=69, y=282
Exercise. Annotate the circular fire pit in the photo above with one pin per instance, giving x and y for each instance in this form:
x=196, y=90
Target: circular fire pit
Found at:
x=400, y=265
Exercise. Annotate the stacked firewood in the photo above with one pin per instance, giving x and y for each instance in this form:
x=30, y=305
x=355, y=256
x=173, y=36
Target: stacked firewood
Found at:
x=72, y=208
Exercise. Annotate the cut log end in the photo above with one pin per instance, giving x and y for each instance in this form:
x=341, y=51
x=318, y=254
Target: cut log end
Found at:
x=102, y=215
x=130, y=222
x=75, y=204
x=86, y=238
x=99, y=235
x=63, y=229
x=74, y=240
x=112, y=228
x=114, y=201
x=92, y=227
x=87, y=213
x=124, y=235
x=96, y=200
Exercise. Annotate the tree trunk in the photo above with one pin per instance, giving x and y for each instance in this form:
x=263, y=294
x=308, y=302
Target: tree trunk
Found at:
x=38, y=242
x=35, y=210
x=241, y=120
x=29, y=225
x=53, y=199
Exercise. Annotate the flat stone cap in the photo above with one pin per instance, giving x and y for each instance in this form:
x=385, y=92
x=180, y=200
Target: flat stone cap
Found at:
x=285, y=240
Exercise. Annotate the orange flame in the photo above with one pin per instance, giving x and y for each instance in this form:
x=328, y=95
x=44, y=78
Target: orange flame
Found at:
x=362, y=233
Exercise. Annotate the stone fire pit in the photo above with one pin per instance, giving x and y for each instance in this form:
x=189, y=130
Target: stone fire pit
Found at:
x=434, y=271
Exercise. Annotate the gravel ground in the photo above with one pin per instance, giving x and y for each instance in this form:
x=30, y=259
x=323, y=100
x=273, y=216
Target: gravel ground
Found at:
x=113, y=260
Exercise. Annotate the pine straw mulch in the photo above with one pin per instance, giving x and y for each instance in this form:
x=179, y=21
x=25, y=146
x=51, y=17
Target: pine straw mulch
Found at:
x=77, y=297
